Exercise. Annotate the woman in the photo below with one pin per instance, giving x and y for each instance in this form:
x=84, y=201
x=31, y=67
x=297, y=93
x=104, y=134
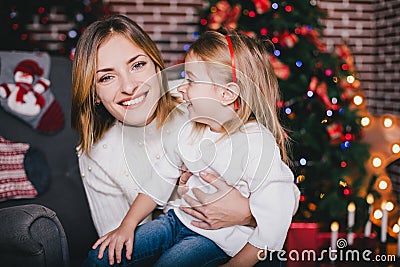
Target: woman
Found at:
x=108, y=90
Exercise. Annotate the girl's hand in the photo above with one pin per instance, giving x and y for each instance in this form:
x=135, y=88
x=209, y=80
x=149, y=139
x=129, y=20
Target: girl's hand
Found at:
x=226, y=207
x=182, y=188
x=115, y=240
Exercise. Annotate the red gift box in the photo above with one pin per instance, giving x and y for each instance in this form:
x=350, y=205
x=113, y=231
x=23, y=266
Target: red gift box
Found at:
x=301, y=238
x=306, y=246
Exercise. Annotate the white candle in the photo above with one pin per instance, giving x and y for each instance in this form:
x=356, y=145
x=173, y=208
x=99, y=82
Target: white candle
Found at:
x=398, y=244
x=368, y=225
x=334, y=234
x=396, y=229
x=384, y=222
x=368, y=228
x=351, y=208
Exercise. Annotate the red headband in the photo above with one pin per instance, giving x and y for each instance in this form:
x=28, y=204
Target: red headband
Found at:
x=228, y=39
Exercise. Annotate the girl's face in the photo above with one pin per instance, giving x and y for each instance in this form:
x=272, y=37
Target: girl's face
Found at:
x=201, y=94
x=126, y=81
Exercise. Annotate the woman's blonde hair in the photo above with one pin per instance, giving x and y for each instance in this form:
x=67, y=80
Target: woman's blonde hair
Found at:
x=92, y=121
x=259, y=90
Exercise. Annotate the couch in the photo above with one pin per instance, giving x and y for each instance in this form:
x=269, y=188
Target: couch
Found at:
x=62, y=207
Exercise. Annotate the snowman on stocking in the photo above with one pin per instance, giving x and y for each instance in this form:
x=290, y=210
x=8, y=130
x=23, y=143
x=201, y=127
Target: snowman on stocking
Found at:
x=29, y=99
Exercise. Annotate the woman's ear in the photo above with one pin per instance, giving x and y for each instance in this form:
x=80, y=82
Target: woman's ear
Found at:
x=229, y=93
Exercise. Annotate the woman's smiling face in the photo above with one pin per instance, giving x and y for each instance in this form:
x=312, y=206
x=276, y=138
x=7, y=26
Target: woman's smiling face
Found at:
x=126, y=81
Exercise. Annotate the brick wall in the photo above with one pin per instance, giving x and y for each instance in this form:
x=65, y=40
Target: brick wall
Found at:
x=172, y=24
x=368, y=28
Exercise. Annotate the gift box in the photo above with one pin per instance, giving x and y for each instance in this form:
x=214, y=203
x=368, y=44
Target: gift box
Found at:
x=307, y=247
x=302, y=239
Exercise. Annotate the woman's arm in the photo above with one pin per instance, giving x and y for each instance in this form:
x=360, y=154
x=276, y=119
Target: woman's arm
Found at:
x=230, y=209
x=247, y=257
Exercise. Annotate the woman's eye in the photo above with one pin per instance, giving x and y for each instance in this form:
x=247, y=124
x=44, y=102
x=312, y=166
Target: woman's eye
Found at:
x=138, y=65
x=105, y=78
x=189, y=81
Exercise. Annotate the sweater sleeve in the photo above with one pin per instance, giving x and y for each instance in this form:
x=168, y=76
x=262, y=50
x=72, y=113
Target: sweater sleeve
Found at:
x=273, y=195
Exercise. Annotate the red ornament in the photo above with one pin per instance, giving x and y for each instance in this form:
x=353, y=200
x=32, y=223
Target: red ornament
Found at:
x=288, y=39
x=335, y=132
x=321, y=89
x=346, y=191
x=262, y=6
x=313, y=36
x=281, y=70
x=343, y=52
x=224, y=15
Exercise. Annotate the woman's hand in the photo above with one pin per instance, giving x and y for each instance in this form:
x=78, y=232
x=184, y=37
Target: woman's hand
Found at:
x=115, y=240
x=226, y=207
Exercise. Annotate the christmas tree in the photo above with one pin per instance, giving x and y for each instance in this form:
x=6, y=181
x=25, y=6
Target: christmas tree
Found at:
x=319, y=91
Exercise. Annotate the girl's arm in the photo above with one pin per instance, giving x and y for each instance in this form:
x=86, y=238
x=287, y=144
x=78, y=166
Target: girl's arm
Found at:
x=124, y=234
x=231, y=209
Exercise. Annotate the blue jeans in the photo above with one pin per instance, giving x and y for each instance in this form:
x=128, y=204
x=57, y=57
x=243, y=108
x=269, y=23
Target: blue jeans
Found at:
x=166, y=242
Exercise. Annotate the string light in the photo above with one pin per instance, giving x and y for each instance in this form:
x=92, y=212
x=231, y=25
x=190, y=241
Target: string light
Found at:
x=365, y=121
x=396, y=148
x=350, y=79
x=358, y=100
x=263, y=31
x=345, y=145
x=376, y=162
x=396, y=228
x=370, y=199
x=387, y=122
x=328, y=72
x=378, y=214
x=288, y=8
x=389, y=206
x=382, y=185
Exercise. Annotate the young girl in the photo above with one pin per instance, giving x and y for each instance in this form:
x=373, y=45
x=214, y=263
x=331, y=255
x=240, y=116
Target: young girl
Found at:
x=231, y=95
x=113, y=67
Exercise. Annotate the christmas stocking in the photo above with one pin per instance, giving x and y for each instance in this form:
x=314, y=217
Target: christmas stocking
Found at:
x=24, y=171
x=25, y=90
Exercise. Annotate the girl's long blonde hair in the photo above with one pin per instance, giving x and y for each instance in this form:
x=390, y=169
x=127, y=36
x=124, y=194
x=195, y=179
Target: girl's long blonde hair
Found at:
x=259, y=90
x=92, y=121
